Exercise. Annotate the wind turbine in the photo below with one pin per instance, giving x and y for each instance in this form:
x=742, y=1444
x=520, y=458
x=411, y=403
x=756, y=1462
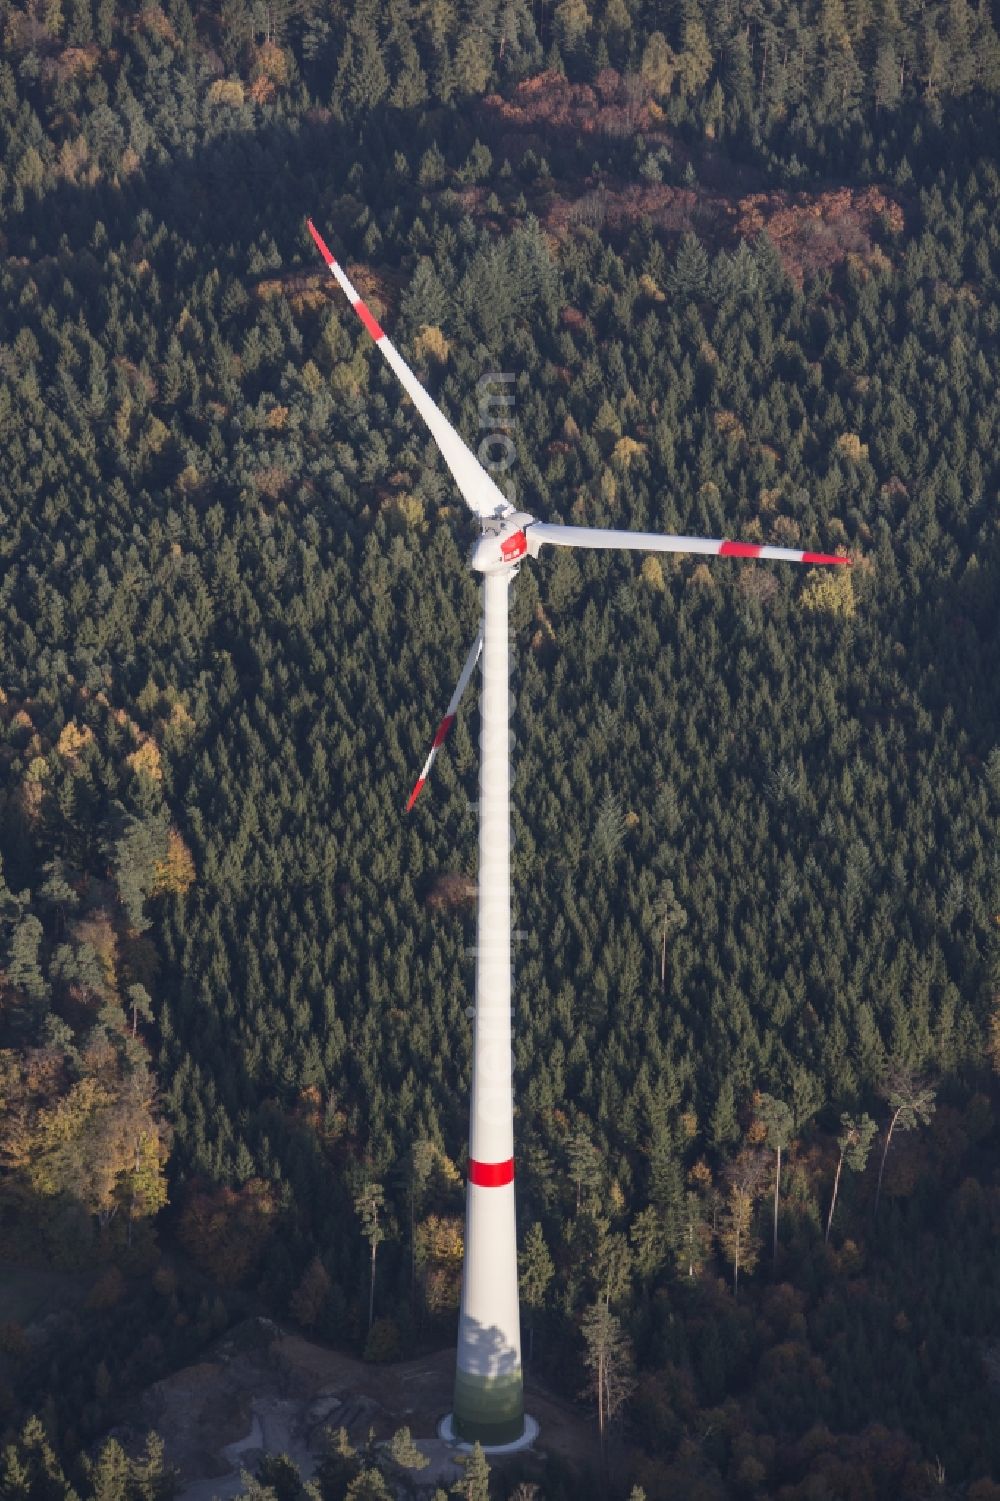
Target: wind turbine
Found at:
x=489, y=1398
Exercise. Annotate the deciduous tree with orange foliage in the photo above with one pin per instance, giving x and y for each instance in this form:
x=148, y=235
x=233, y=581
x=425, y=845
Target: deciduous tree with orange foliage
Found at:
x=226, y=1230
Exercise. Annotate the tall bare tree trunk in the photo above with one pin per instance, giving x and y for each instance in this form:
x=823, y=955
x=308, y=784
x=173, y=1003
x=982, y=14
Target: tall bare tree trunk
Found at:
x=777, y=1190
x=602, y=1378
x=833, y=1198
x=131, y=1202
x=885, y=1153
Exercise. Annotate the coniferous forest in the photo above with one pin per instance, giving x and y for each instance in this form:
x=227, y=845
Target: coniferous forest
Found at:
x=742, y=261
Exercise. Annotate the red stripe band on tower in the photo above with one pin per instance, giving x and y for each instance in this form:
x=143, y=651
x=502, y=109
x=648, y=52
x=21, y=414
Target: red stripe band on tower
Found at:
x=491, y=1174
x=739, y=550
x=368, y=321
x=321, y=244
x=823, y=558
x=443, y=728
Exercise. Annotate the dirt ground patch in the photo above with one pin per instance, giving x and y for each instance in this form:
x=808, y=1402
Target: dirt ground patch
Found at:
x=264, y=1390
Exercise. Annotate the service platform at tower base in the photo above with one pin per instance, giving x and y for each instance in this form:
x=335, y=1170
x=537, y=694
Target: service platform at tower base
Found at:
x=526, y=1432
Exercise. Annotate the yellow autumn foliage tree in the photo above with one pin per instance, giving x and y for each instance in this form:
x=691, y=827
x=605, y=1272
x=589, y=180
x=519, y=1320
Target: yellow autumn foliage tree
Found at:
x=349, y=378
x=272, y=62
x=38, y=769
x=438, y=1249
x=227, y=91
x=93, y=1141
x=829, y=590
x=175, y=872
x=146, y=761
x=728, y=425
x=178, y=729
x=97, y=930
x=624, y=451
x=156, y=435
x=572, y=22
x=410, y=510
x=431, y=345
x=694, y=62
x=851, y=446
x=72, y=740
x=701, y=577
x=659, y=65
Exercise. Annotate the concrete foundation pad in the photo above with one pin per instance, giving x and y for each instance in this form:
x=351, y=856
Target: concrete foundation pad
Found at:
x=531, y=1430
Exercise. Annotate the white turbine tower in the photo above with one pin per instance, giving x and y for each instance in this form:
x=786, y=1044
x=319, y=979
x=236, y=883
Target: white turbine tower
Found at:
x=489, y=1399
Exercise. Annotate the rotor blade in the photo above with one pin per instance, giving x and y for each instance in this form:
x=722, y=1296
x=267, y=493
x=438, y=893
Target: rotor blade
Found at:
x=481, y=494
x=446, y=723
x=540, y=532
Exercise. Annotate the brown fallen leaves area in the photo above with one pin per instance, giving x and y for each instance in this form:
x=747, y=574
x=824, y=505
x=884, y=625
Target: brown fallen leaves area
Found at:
x=311, y=288
x=72, y=62
x=451, y=889
x=672, y=209
x=612, y=105
x=814, y=231
x=811, y=231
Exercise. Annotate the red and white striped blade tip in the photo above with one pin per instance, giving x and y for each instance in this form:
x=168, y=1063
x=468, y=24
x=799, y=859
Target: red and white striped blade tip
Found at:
x=415, y=793
x=729, y=549
x=439, y=738
x=321, y=244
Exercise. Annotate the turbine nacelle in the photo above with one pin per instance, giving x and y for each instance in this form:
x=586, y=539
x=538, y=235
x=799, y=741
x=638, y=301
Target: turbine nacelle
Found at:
x=503, y=543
